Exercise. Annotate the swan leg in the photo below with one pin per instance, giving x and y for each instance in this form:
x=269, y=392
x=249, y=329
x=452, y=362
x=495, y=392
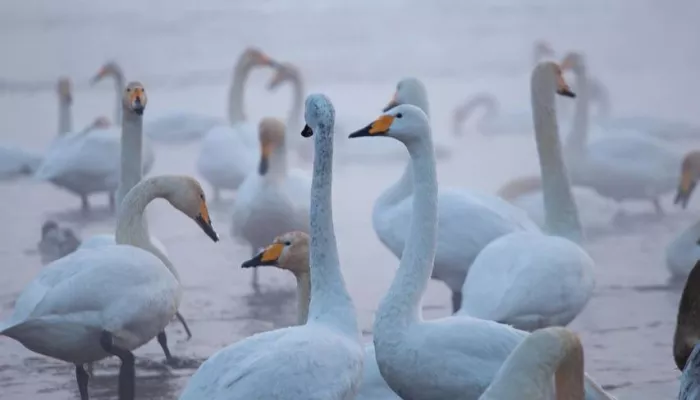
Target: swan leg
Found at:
x=112, y=202
x=163, y=342
x=184, y=325
x=82, y=377
x=456, y=301
x=657, y=207
x=90, y=369
x=84, y=203
x=127, y=374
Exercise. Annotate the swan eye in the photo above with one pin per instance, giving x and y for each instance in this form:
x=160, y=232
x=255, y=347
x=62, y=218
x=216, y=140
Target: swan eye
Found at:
x=399, y=115
x=287, y=243
x=128, y=90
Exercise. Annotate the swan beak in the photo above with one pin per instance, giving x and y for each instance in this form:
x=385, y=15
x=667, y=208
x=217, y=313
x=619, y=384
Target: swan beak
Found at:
x=393, y=103
x=204, y=222
x=684, y=190
x=98, y=77
x=379, y=127
x=307, y=132
x=565, y=91
x=269, y=256
x=137, y=106
x=265, y=158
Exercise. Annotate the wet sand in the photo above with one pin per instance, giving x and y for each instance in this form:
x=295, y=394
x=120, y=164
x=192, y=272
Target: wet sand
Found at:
x=626, y=328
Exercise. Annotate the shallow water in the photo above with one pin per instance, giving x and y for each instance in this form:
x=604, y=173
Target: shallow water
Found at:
x=644, y=50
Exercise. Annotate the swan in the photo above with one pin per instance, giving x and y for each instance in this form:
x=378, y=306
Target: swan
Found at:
x=619, y=167
x=273, y=199
x=171, y=128
x=531, y=280
x=449, y=358
x=227, y=153
x=528, y=370
x=133, y=103
x=684, y=250
x=488, y=216
x=108, y=300
x=56, y=242
x=686, y=351
x=328, y=345
x=290, y=252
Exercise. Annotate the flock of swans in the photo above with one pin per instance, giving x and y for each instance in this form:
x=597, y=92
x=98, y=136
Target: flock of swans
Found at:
x=518, y=276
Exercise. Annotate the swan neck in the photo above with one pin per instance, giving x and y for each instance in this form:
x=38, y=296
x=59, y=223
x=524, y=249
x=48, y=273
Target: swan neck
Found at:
x=303, y=296
x=295, y=112
x=401, y=306
x=65, y=118
x=131, y=154
x=131, y=222
x=561, y=214
x=330, y=301
x=397, y=192
x=119, y=86
x=278, y=162
x=578, y=138
x=236, y=97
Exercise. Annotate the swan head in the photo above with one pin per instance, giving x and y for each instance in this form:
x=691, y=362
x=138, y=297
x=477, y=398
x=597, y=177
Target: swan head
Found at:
x=252, y=56
x=284, y=72
x=574, y=61
x=48, y=227
x=410, y=91
x=541, y=49
x=186, y=194
x=405, y=122
x=271, y=135
x=289, y=251
x=134, y=98
x=553, y=78
x=319, y=114
x=690, y=172
x=64, y=90
x=110, y=68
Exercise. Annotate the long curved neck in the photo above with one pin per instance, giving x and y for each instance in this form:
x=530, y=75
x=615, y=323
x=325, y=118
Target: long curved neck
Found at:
x=532, y=364
x=65, y=119
x=561, y=214
x=293, y=119
x=303, y=296
x=131, y=154
x=236, y=96
x=330, y=301
x=398, y=191
x=578, y=138
x=278, y=162
x=401, y=305
x=131, y=223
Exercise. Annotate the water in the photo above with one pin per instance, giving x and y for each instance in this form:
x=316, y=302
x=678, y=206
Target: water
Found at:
x=645, y=52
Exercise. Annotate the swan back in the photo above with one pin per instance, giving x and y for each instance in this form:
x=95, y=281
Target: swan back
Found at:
x=527, y=372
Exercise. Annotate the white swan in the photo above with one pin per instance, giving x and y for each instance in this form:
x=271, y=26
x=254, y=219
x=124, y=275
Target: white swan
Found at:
x=622, y=166
x=449, y=358
x=321, y=359
x=530, y=280
x=227, y=153
x=684, y=250
x=56, y=242
x=686, y=348
x=172, y=128
x=488, y=217
x=133, y=103
x=272, y=200
x=528, y=371
x=290, y=251
x=109, y=300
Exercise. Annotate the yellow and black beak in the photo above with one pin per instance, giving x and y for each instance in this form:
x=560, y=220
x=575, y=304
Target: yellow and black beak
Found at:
x=269, y=256
x=307, y=132
x=392, y=103
x=377, y=128
x=204, y=222
x=138, y=100
x=685, y=189
x=566, y=91
x=265, y=152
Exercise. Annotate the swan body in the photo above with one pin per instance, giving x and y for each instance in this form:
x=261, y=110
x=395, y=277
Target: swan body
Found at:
x=15, y=162
x=684, y=250
x=321, y=359
x=180, y=128
x=527, y=373
x=449, y=358
x=227, y=152
x=488, y=217
x=657, y=128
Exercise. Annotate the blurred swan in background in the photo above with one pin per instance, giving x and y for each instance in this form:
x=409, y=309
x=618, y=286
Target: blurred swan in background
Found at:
x=227, y=154
x=130, y=290
x=413, y=354
x=528, y=371
x=488, y=217
x=686, y=349
x=328, y=344
x=684, y=250
x=531, y=280
x=56, y=242
x=272, y=200
x=617, y=166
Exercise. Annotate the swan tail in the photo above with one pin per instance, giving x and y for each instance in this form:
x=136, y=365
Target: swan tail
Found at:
x=594, y=391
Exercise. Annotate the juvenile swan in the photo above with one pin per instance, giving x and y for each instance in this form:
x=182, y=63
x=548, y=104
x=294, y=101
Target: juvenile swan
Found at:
x=108, y=300
x=321, y=360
